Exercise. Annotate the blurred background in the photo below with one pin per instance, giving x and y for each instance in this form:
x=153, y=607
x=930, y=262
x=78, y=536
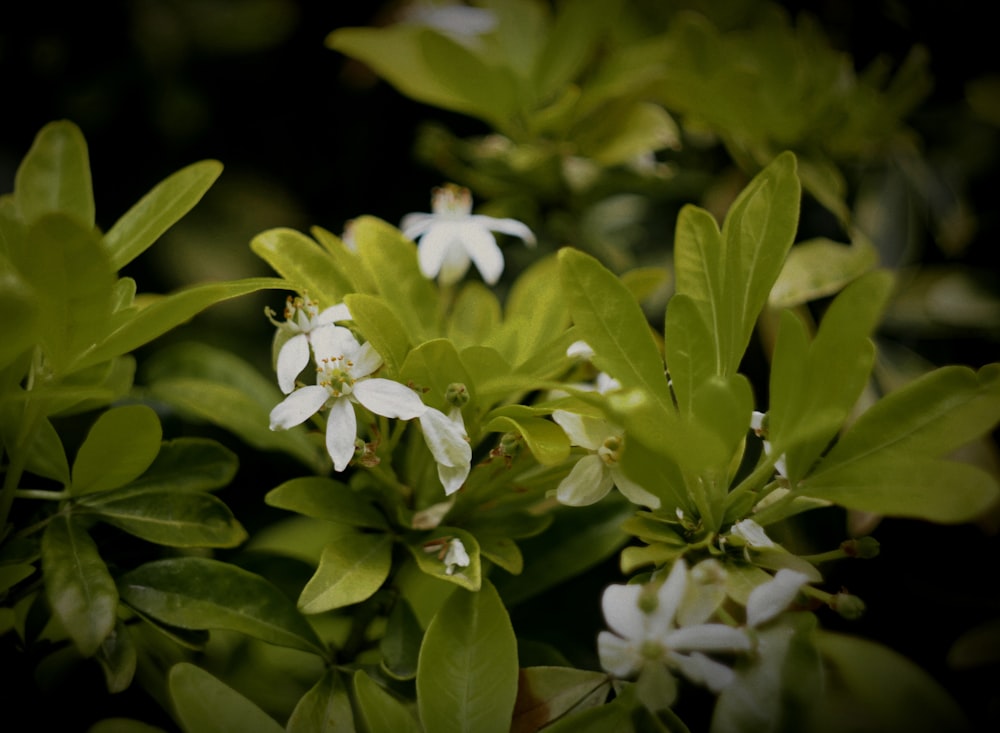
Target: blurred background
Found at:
x=309, y=137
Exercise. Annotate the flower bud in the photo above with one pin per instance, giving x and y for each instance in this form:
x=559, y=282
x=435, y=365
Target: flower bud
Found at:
x=510, y=444
x=863, y=547
x=457, y=394
x=848, y=606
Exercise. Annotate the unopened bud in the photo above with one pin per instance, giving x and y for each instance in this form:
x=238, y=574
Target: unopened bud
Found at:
x=848, y=606
x=457, y=394
x=864, y=547
x=510, y=444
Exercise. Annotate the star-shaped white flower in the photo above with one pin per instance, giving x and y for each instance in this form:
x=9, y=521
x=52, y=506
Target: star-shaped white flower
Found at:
x=445, y=436
x=452, y=236
x=343, y=369
x=302, y=319
x=652, y=625
x=592, y=477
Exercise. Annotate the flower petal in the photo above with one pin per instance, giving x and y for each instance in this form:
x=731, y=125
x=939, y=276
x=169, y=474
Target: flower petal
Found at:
x=333, y=342
x=416, y=224
x=482, y=248
x=669, y=597
x=699, y=668
x=334, y=313
x=506, y=226
x=618, y=656
x=588, y=482
x=366, y=361
x=708, y=638
x=620, y=604
x=292, y=359
x=769, y=599
x=442, y=244
x=389, y=399
x=583, y=430
x=751, y=533
x=632, y=491
x=298, y=407
x=445, y=438
x=341, y=432
x=452, y=477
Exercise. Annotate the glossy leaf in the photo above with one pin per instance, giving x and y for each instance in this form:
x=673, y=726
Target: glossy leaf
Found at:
x=467, y=671
x=54, y=176
x=546, y=440
x=190, y=464
x=475, y=315
x=380, y=710
x=400, y=646
x=120, y=446
x=78, y=586
x=42, y=448
x=350, y=570
x=545, y=694
x=204, y=704
x=380, y=327
x=818, y=268
x=324, y=498
x=304, y=265
x=200, y=593
x=118, y=657
x=431, y=367
x=158, y=210
x=688, y=348
x=167, y=516
x=326, y=708
x=535, y=312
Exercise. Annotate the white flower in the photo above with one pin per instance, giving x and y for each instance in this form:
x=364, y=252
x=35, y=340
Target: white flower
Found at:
x=343, y=367
x=751, y=533
x=592, y=477
x=445, y=436
x=453, y=236
x=769, y=599
x=302, y=319
x=651, y=626
x=757, y=425
x=455, y=556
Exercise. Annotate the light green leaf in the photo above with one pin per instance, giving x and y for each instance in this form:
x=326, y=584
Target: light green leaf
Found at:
x=380, y=710
x=431, y=367
x=475, y=316
x=324, y=498
x=120, y=446
x=307, y=268
x=545, y=694
x=118, y=657
x=168, y=516
x=467, y=671
x=78, y=586
x=381, y=328
x=190, y=464
x=883, y=690
x=350, y=570
x=165, y=312
x=535, y=312
x=612, y=323
x=200, y=593
x=818, y=268
x=429, y=551
x=157, y=211
x=203, y=704
x=687, y=344
x=546, y=440
x=345, y=258
x=326, y=708
x=54, y=176
x=44, y=452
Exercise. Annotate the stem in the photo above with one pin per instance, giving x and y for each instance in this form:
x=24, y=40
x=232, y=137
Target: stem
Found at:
x=41, y=494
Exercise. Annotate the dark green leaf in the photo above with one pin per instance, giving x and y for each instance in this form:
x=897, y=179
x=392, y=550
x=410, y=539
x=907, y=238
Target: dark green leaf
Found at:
x=203, y=704
x=467, y=671
x=117, y=657
x=380, y=710
x=326, y=708
x=79, y=587
x=120, y=446
x=199, y=593
x=191, y=464
x=400, y=646
x=324, y=498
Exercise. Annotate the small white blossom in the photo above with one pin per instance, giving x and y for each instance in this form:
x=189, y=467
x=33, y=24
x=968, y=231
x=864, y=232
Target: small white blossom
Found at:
x=302, y=319
x=592, y=477
x=455, y=557
x=653, y=626
x=769, y=599
x=343, y=369
x=757, y=425
x=452, y=236
x=445, y=436
x=751, y=533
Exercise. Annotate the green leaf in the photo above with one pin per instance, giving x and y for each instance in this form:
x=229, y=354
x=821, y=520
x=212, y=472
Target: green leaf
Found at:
x=62, y=261
x=428, y=551
x=200, y=593
x=307, y=268
x=123, y=725
x=11, y=575
x=164, y=312
x=324, y=498
x=54, y=176
x=120, y=446
x=729, y=274
x=475, y=315
x=167, y=516
x=45, y=455
x=467, y=671
x=381, y=328
x=326, y=708
x=610, y=320
x=158, y=210
x=189, y=464
x=613, y=717
x=117, y=657
x=570, y=43
x=535, y=313
x=203, y=704
x=19, y=304
x=545, y=694
x=78, y=586
x=400, y=646
x=883, y=690
x=380, y=710
x=431, y=367
x=350, y=570
x=818, y=268
x=546, y=440
x=687, y=344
